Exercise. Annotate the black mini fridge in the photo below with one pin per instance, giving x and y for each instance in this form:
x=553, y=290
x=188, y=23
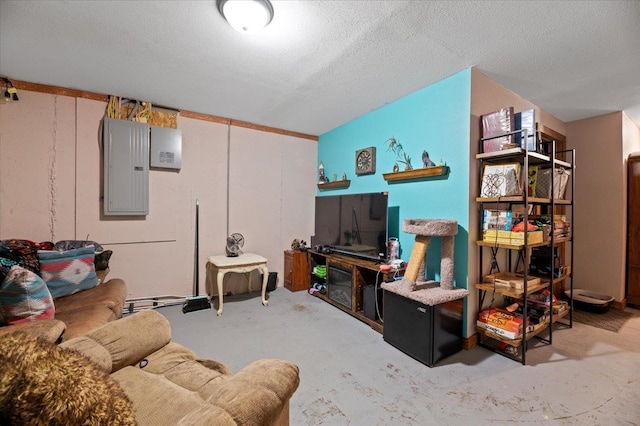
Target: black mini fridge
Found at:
x=426, y=333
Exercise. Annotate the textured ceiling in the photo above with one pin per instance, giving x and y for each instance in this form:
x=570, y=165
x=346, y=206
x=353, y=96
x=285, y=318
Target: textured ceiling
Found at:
x=323, y=63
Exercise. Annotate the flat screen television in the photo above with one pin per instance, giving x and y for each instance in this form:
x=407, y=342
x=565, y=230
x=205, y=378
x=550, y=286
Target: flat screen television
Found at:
x=353, y=224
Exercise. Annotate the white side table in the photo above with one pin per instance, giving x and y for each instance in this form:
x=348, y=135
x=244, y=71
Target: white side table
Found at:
x=245, y=262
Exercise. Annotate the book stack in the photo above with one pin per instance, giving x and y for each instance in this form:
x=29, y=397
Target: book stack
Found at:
x=536, y=313
x=499, y=220
x=510, y=280
x=501, y=322
x=496, y=226
x=561, y=227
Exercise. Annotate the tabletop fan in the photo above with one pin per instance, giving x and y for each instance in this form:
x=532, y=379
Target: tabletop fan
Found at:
x=235, y=242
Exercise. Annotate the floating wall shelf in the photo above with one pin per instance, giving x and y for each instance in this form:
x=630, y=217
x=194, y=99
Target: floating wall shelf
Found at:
x=416, y=174
x=335, y=185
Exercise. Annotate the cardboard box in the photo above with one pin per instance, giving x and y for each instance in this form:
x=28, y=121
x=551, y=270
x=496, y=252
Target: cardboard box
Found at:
x=497, y=219
x=496, y=236
x=499, y=331
x=560, y=306
x=511, y=280
x=493, y=233
x=533, y=237
x=502, y=319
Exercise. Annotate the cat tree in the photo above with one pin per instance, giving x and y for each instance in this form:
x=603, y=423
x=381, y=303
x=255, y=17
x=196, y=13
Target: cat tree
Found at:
x=414, y=285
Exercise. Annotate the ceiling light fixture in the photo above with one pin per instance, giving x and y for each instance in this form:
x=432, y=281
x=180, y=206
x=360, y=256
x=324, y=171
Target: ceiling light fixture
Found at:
x=246, y=16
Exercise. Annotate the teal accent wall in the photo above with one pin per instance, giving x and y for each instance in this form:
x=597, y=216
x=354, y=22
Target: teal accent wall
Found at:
x=435, y=119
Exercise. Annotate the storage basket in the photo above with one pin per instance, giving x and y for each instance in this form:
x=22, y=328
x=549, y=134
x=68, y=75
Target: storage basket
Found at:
x=560, y=179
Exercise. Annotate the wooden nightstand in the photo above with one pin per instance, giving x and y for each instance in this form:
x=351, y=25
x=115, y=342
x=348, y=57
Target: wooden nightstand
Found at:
x=296, y=270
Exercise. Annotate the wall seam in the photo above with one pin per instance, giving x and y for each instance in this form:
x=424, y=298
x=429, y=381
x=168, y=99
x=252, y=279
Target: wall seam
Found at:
x=75, y=173
x=281, y=192
x=228, y=174
x=52, y=172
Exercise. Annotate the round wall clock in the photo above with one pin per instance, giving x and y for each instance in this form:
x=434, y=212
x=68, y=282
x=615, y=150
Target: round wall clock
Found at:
x=366, y=161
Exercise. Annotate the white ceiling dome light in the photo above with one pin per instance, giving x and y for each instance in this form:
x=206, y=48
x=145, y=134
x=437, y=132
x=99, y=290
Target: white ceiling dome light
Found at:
x=246, y=16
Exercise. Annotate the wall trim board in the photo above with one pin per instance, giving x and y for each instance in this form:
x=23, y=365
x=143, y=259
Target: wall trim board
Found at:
x=247, y=125
x=559, y=137
x=205, y=117
x=470, y=342
x=57, y=90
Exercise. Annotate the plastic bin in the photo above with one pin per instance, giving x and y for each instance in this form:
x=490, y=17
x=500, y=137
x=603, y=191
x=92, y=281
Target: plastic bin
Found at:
x=272, y=281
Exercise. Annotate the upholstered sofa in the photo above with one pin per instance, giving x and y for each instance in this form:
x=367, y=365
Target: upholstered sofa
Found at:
x=88, y=309
x=56, y=294
x=78, y=313
x=166, y=383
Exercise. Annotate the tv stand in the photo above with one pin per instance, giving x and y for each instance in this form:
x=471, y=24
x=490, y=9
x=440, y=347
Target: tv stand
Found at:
x=350, y=277
x=354, y=254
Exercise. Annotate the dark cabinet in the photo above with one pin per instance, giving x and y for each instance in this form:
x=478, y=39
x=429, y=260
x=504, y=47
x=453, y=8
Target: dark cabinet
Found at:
x=633, y=231
x=426, y=333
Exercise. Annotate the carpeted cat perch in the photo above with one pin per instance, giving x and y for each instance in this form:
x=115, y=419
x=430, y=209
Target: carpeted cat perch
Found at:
x=413, y=285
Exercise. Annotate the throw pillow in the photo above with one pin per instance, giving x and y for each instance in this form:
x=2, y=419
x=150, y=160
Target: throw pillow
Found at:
x=43, y=383
x=24, y=296
x=68, y=272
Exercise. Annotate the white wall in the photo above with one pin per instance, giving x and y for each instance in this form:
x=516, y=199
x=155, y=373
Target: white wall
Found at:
x=273, y=185
x=50, y=187
x=37, y=176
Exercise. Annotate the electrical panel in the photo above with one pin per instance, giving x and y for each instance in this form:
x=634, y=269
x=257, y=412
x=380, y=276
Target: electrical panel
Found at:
x=166, y=148
x=126, y=167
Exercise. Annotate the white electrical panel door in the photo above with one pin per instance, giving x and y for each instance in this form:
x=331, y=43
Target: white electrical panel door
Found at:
x=126, y=167
x=166, y=148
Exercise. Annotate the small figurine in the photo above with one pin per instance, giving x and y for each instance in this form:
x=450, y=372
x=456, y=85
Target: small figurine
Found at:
x=344, y=176
x=426, y=161
x=335, y=177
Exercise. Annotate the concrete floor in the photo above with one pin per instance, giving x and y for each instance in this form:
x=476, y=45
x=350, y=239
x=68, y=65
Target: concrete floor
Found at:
x=351, y=376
